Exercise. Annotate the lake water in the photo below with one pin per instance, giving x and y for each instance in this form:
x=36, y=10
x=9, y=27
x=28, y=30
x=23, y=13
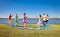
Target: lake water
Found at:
x=30, y=21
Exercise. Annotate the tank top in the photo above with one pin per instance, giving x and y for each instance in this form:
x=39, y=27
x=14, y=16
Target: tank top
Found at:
x=10, y=17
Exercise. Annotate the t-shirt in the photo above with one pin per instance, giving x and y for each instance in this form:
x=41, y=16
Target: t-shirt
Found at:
x=16, y=17
x=44, y=17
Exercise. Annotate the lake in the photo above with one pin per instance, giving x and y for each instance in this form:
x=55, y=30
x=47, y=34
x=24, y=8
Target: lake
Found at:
x=30, y=21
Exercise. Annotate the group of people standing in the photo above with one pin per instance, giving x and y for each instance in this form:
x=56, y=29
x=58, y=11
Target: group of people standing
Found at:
x=10, y=19
x=16, y=20
x=42, y=19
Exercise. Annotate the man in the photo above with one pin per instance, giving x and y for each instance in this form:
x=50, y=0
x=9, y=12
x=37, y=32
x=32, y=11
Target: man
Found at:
x=44, y=19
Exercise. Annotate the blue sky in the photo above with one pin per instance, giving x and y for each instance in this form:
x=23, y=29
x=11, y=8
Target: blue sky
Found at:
x=31, y=7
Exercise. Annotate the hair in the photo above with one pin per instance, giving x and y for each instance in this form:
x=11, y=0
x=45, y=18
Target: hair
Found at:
x=16, y=13
x=47, y=14
x=43, y=13
x=40, y=15
x=24, y=14
x=10, y=14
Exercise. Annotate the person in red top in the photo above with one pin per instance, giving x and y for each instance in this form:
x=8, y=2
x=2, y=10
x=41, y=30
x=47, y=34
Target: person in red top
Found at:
x=10, y=19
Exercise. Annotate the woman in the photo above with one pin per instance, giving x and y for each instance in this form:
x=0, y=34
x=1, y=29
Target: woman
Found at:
x=24, y=20
x=39, y=21
x=10, y=19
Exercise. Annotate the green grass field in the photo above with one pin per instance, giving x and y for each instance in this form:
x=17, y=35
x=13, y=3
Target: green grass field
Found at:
x=9, y=31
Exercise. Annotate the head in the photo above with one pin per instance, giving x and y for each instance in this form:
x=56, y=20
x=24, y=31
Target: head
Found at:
x=40, y=15
x=10, y=14
x=24, y=14
x=47, y=14
x=16, y=14
x=43, y=13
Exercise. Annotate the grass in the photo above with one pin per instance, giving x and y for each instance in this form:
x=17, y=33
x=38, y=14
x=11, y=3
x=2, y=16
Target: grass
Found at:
x=9, y=31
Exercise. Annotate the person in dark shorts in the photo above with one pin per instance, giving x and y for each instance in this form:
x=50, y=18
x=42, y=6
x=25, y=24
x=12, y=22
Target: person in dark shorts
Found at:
x=44, y=19
x=16, y=19
x=47, y=18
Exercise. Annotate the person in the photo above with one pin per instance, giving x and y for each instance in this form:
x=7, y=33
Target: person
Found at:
x=47, y=18
x=44, y=19
x=10, y=19
x=24, y=20
x=16, y=19
x=39, y=21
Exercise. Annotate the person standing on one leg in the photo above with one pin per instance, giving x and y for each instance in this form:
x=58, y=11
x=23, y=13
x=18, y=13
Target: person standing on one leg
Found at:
x=10, y=19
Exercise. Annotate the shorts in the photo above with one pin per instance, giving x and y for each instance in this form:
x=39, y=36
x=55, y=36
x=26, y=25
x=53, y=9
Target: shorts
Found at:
x=17, y=21
x=39, y=22
x=25, y=22
x=46, y=21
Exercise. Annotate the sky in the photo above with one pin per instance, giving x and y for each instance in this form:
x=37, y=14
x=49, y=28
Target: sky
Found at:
x=32, y=8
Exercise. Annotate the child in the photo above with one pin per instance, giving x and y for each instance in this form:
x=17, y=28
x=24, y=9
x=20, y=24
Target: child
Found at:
x=10, y=19
x=16, y=18
x=24, y=20
x=39, y=21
